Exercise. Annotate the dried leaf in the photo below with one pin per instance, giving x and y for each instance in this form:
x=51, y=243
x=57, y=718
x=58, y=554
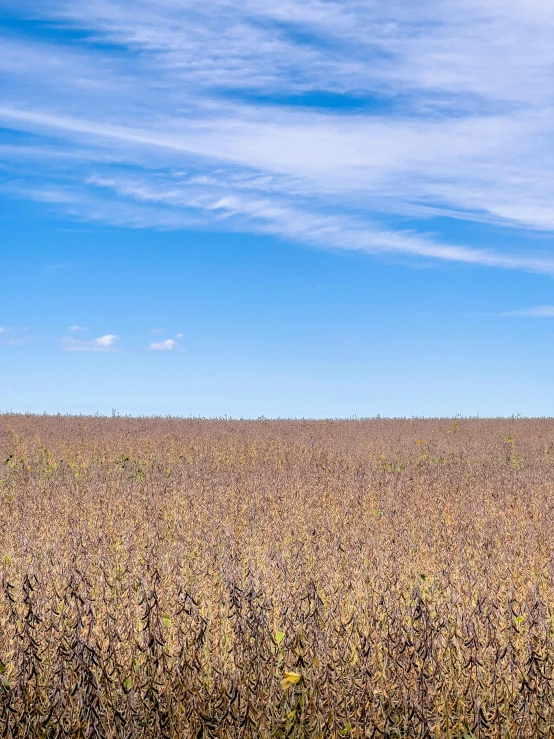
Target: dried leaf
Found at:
x=289, y=679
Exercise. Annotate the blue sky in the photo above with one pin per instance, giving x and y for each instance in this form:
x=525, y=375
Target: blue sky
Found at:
x=316, y=208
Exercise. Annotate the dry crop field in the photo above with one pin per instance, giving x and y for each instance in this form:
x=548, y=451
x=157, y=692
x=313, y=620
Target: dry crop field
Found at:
x=190, y=578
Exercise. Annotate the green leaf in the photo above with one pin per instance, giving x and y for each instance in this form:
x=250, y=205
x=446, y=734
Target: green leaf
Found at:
x=166, y=621
x=2, y=667
x=127, y=684
x=279, y=636
x=5, y=684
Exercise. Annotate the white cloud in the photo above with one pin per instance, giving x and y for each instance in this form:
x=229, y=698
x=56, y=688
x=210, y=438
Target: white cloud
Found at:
x=539, y=311
x=2, y=329
x=163, y=346
x=101, y=344
x=344, y=231
x=179, y=336
x=446, y=110
x=78, y=328
x=105, y=341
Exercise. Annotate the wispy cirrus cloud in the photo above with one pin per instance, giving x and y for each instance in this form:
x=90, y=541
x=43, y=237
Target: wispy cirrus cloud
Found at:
x=339, y=124
x=101, y=344
x=538, y=311
x=11, y=336
x=76, y=327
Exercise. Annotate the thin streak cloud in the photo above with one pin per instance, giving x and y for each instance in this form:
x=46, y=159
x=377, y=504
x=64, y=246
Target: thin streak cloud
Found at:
x=539, y=311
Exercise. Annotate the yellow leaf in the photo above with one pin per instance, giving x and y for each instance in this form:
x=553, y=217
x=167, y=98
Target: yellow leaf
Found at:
x=289, y=678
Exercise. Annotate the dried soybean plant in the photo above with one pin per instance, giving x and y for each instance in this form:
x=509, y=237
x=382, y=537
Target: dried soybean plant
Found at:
x=195, y=578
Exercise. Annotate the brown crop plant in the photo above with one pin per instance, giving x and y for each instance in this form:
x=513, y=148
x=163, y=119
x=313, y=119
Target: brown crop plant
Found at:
x=194, y=578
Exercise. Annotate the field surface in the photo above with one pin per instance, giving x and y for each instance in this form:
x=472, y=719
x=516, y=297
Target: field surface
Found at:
x=187, y=578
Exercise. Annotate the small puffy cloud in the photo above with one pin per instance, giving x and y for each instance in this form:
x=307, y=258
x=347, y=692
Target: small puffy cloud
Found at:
x=105, y=341
x=539, y=311
x=178, y=336
x=101, y=344
x=78, y=328
x=163, y=346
